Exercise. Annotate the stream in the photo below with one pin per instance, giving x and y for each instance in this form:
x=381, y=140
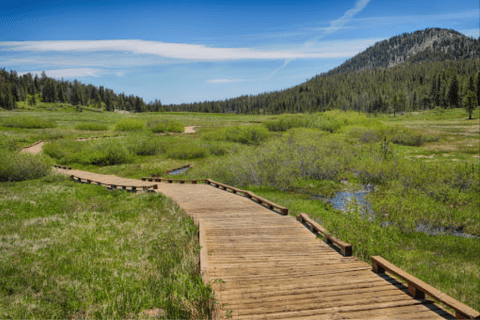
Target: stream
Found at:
x=343, y=199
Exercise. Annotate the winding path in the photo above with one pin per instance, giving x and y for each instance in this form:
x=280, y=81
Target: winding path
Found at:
x=263, y=265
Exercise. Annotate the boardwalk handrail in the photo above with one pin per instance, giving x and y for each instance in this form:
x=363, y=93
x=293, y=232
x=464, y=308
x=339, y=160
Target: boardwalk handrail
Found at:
x=271, y=205
x=33, y=144
x=113, y=186
x=344, y=247
x=159, y=179
x=63, y=167
x=417, y=288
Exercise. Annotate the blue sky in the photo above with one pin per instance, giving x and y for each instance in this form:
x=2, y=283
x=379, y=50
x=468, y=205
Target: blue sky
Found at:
x=186, y=51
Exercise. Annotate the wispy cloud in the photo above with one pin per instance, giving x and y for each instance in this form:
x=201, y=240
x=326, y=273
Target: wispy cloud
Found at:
x=169, y=50
x=335, y=25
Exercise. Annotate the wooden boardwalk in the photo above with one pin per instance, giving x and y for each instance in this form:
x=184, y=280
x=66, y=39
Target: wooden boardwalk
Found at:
x=264, y=265
x=271, y=266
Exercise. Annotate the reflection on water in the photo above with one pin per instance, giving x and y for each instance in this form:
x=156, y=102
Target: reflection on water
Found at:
x=343, y=200
x=180, y=171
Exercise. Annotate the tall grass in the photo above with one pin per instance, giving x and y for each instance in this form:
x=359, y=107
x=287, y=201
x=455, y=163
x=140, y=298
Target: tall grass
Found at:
x=330, y=121
x=97, y=152
x=27, y=122
x=252, y=134
x=91, y=127
x=130, y=124
x=79, y=251
x=22, y=166
x=165, y=125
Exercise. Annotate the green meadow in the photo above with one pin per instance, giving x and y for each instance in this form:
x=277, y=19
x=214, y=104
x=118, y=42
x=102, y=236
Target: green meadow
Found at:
x=69, y=250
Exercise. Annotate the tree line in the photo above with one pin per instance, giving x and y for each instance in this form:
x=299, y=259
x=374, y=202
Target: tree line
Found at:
x=405, y=87
x=15, y=88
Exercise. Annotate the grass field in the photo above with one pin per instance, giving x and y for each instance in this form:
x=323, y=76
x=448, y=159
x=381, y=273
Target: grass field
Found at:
x=95, y=253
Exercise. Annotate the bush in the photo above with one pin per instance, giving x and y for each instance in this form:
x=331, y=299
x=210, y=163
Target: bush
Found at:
x=186, y=151
x=129, y=124
x=145, y=144
x=330, y=121
x=91, y=127
x=28, y=122
x=97, y=152
x=165, y=125
x=22, y=166
x=241, y=134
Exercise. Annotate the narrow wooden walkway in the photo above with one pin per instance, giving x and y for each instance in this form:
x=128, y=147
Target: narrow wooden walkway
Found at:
x=270, y=266
x=263, y=265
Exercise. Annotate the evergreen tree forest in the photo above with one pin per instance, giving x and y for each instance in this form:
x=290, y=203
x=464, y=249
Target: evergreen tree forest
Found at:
x=405, y=87
x=15, y=88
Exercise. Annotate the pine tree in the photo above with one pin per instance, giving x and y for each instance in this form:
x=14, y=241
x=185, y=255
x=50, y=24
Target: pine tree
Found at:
x=453, y=99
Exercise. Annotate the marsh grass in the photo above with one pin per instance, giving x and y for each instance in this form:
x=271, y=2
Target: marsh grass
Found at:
x=91, y=127
x=252, y=134
x=165, y=125
x=79, y=251
x=97, y=152
x=27, y=122
x=130, y=124
x=15, y=166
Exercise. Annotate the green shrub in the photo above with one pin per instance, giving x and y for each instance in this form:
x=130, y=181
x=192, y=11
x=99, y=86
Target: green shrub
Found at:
x=252, y=134
x=165, y=125
x=186, y=151
x=97, y=152
x=28, y=122
x=129, y=124
x=91, y=127
x=22, y=166
x=330, y=121
x=145, y=144
x=9, y=143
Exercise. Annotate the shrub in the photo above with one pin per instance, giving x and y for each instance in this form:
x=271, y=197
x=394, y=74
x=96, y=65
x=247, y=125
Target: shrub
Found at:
x=165, y=125
x=330, y=121
x=145, y=144
x=129, y=124
x=91, y=127
x=241, y=134
x=97, y=152
x=28, y=122
x=22, y=166
x=184, y=152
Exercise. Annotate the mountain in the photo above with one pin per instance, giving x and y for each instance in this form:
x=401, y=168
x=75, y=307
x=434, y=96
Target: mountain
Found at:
x=412, y=71
x=424, y=45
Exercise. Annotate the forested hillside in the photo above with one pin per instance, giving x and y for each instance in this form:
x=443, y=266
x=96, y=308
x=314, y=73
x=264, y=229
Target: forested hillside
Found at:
x=29, y=88
x=406, y=87
x=416, y=71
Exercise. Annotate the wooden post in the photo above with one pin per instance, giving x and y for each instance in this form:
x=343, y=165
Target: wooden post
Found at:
x=377, y=268
x=415, y=292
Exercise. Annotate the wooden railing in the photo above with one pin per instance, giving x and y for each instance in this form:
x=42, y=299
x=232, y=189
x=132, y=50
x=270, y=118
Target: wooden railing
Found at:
x=271, y=205
x=417, y=288
x=114, y=186
x=344, y=247
x=33, y=144
x=193, y=181
x=63, y=167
